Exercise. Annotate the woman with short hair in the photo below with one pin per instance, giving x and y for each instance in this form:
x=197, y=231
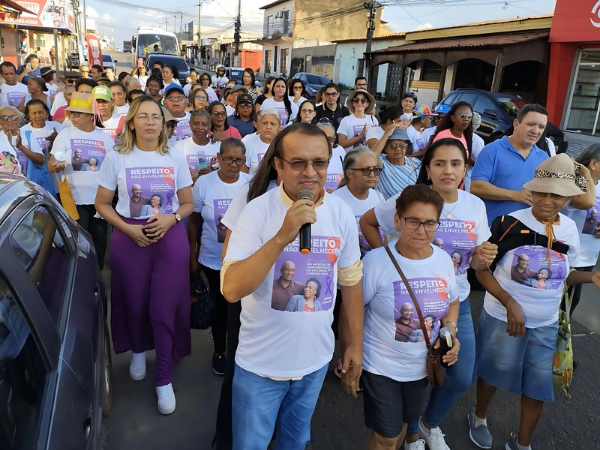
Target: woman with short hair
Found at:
x=394, y=373
x=17, y=157
x=390, y=120
x=399, y=170
x=154, y=86
x=36, y=88
x=212, y=195
x=268, y=125
x=148, y=315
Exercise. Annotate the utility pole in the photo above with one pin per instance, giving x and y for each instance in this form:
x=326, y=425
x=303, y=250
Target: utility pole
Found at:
x=371, y=7
x=236, y=35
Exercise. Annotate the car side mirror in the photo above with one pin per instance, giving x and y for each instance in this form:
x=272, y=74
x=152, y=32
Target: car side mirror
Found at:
x=116, y=61
x=490, y=112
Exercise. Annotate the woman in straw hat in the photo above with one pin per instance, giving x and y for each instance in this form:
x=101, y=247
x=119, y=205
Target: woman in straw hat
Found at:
x=150, y=253
x=517, y=332
x=353, y=128
x=71, y=151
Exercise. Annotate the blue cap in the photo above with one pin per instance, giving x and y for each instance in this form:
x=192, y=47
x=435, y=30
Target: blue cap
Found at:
x=399, y=135
x=173, y=87
x=442, y=109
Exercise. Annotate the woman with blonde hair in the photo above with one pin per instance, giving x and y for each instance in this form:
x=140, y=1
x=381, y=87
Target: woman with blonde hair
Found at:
x=155, y=314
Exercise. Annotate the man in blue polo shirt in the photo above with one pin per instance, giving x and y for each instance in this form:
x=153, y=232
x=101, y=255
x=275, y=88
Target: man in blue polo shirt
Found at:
x=505, y=165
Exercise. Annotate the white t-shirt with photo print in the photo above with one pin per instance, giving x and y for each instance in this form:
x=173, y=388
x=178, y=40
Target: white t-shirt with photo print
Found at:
x=198, y=157
x=587, y=223
x=392, y=348
x=538, y=296
x=255, y=151
x=212, y=197
x=276, y=342
x=351, y=126
x=286, y=118
x=148, y=174
x=12, y=95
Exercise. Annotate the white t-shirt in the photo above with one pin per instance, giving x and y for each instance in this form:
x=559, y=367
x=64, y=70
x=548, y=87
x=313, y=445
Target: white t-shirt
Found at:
x=183, y=130
x=427, y=133
x=41, y=133
x=9, y=160
x=143, y=80
x=335, y=170
x=270, y=103
x=374, y=133
x=239, y=202
x=83, y=176
x=187, y=88
x=52, y=88
x=198, y=156
x=391, y=348
x=212, y=198
x=255, y=151
x=477, y=145
x=219, y=82
x=212, y=95
x=149, y=174
x=230, y=111
x=23, y=159
x=586, y=223
x=113, y=126
x=359, y=207
x=59, y=100
x=274, y=341
x=466, y=228
x=122, y=110
x=416, y=139
x=351, y=126
x=539, y=299
x=299, y=102
x=12, y=95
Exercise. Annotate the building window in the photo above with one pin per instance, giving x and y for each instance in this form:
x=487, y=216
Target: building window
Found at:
x=583, y=114
x=268, y=61
x=286, y=22
x=284, y=60
x=360, y=67
x=268, y=25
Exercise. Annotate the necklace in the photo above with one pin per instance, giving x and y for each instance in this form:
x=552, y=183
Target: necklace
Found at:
x=449, y=213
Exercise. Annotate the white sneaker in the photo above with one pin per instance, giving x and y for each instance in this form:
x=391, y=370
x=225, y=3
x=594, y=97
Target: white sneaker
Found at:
x=166, y=399
x=433, y=437
x=417, y=445
x=137, y=367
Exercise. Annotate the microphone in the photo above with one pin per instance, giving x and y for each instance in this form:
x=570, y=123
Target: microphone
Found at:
x=305, y=239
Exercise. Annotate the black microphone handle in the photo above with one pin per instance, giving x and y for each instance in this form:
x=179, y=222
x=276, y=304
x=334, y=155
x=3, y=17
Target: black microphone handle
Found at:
x=305, y=238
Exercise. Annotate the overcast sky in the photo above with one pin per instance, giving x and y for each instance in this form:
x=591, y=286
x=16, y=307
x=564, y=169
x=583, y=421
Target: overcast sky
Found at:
x=218, y=15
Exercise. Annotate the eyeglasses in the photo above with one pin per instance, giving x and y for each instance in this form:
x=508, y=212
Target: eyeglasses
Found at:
x=359, y=100
x=361, y=86
x=330, y=94
x=298, y=88
x=307, y=111
x=298, y=166
x=218, y=113
x=366, y=171
x=397, y=146
x=14, y=117
x=244, y=105
x=201, y=97
x=465, y=115
x=413, y=224
x=75, y=115
x=229, y=161
x=118, y=94
x=156, y=118
x=178, y=98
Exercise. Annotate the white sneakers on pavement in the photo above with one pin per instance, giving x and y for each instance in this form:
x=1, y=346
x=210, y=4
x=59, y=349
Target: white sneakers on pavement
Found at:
x=417, y=445
x=137, y=367
x=434, y=438
x=166, y=399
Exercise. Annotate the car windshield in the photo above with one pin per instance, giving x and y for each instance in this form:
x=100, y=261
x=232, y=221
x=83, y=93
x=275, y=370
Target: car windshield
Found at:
x=512, y=105
x=106, y=58
x=316, y=79
x=236, y=73
x=166, y=44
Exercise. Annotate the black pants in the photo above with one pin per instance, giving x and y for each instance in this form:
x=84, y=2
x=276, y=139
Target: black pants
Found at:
x=98, y=229
x=576, y=290
x=223, y=433
x=219, y=326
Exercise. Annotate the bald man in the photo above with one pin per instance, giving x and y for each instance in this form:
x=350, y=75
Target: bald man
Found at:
x=405, y=324
x=285, y=286
x=137, y=201
x=520, y=272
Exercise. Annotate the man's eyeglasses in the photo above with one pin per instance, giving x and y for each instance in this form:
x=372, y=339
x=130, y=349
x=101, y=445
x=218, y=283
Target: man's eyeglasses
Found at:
x=465, y=115
x=361, y=86
x=298, y=166
x=229, y=161
x=413, y=224
x=13, y=118
x=366, y=171
x=360, y=100
x=176, y=98
x=330, y=94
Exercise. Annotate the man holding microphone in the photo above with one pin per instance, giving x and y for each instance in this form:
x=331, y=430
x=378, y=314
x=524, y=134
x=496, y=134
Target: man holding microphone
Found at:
x=282, y=357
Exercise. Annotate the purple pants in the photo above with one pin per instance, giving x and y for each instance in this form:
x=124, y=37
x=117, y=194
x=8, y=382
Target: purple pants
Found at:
x=150, y=299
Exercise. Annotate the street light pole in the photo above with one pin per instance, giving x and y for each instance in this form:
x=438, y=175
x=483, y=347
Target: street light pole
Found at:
x=371, y=6
x=236, y=36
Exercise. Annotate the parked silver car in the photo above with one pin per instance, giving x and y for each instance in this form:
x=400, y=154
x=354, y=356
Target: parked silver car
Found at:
x=55, y=365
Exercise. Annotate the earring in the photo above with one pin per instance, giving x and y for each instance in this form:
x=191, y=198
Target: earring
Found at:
x=428, y=178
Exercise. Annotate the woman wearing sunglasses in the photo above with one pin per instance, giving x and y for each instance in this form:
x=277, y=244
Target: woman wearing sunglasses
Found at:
x=17, y=156
x=457, y=124
x=307, y=113
x=399, y=169
x=297, y=92
x=463, y=229
x=198, y=98
x=220, y=128
x=353, y=128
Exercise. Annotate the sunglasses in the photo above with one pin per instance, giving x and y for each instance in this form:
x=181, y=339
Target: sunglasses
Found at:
x=330, y=94
x=201, y=97
x=465, y=115
x=14, y=117
x=366, y=171
x=219, y=113
x=359, y=100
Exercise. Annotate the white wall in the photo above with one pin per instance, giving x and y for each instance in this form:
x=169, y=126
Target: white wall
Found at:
x=277, y=24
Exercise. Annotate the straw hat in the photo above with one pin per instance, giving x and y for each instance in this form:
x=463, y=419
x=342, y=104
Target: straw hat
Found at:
x=80, y=103
x=168, y=116
x=558, y=175
x=353, y=94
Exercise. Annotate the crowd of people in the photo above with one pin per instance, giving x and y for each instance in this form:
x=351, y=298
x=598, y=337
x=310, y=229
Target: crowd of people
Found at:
x=402, y=205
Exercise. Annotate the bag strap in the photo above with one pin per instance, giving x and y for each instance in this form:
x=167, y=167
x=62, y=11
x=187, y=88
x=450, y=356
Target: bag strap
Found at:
x=412, y=295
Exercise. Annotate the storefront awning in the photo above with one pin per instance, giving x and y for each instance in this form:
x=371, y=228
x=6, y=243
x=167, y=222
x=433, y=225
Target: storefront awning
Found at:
x=14, y=6
x=497, y=40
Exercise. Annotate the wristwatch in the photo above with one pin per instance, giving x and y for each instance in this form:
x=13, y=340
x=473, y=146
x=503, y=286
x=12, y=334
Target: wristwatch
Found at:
x=177, y=217
x=453, y=324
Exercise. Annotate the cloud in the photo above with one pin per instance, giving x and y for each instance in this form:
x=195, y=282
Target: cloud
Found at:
x=423, y=26
x=91, y=12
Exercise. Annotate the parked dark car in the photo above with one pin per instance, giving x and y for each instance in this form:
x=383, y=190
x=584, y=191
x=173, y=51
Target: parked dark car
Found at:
x=55, y=366
x=498, y=111
x=173, y=60
x=313, y=82
x=236, y=73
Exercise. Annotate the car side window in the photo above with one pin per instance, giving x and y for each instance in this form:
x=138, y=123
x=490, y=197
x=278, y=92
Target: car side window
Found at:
x=483, y=103
x=39, y=246
x=23, y=377
x=450, y=99
x=468, y=97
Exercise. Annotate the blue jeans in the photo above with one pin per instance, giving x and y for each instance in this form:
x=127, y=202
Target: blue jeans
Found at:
x=459, y=376
x=260, y=404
